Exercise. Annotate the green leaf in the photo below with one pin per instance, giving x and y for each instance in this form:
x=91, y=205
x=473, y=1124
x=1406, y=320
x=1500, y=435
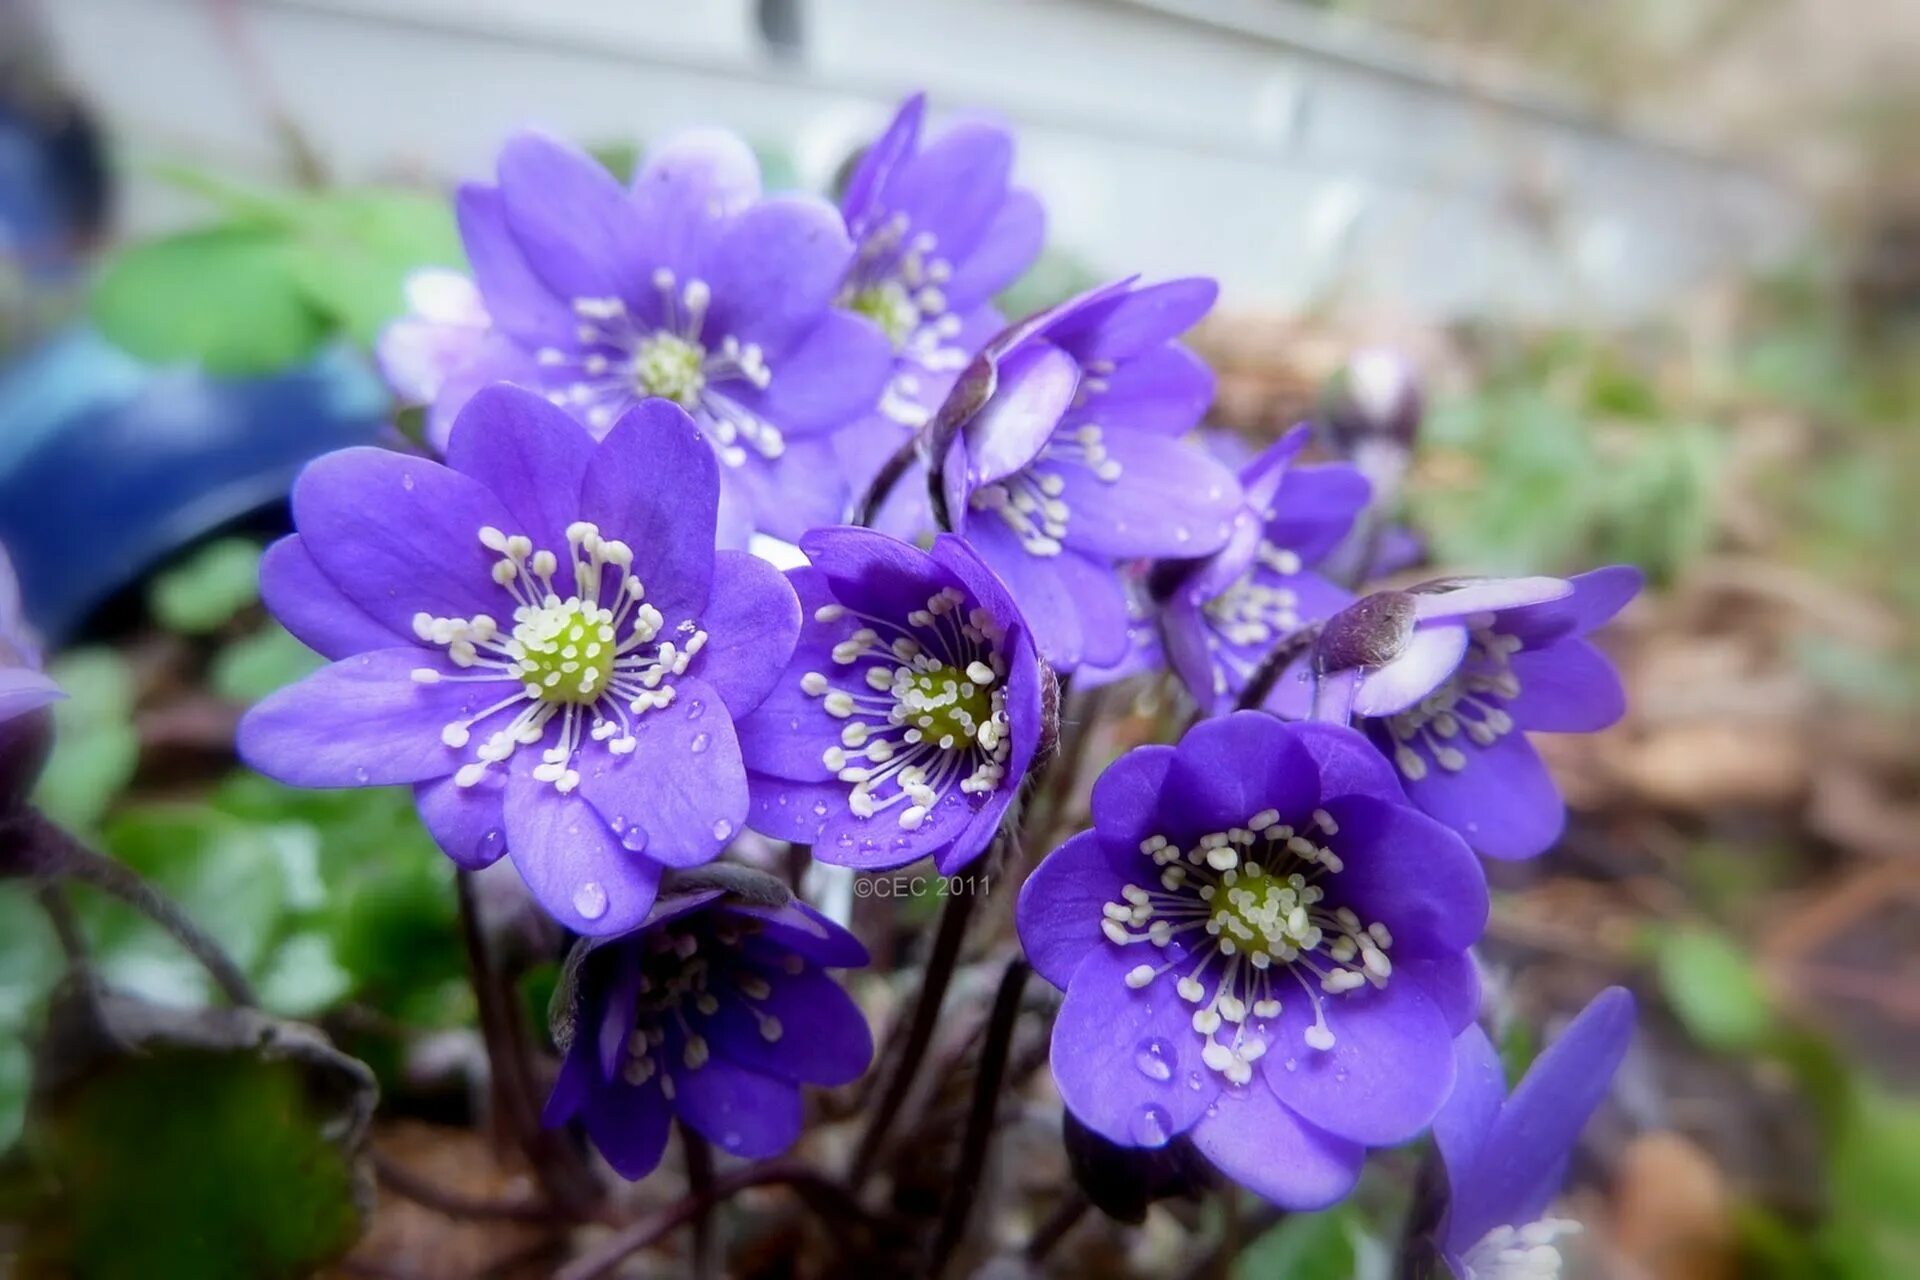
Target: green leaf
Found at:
x=251, y=668
x=226, y=298
x=30, y=963
x=95, y=746
x=1713, y=989
x=204, y=592
x=354, y=250
x=1305, y=1246
x=217, y=1145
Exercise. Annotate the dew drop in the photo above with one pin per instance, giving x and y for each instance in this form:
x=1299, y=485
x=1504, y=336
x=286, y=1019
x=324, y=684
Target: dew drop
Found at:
x=730, y=1140
x=1193, y=1081
x=590, y=900
x=1150, y=1126
x=491, y=840
x=361, y=776
x=1151, y=1058
x=406, y=481
x=819, y=808
x=700, y=742
x=1293, y=1064
x=845, y=841
x=694, y=708
x=633, y=839
x=722, y=829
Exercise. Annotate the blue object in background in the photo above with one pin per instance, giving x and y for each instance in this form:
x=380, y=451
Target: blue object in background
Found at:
x=108, y=466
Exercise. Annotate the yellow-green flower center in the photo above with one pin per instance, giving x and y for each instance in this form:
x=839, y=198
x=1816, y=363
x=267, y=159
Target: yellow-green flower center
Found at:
x=667, y=365
x=889, y=305
x=948, y=706
x=1260, y=910
x=565, y=650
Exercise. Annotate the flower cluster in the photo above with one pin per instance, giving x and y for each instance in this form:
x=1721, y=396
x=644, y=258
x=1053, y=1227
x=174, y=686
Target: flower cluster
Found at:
x=1264, y=936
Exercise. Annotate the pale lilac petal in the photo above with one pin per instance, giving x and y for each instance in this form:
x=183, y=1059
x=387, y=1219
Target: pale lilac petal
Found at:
x=1479, y=1089
x=774, y=269
x=1465, y=597
x=1433, y=654
x=1036, y=384
x=1010, y=244
x=684, y=188
x=571, y=219
x=1100, y=603
x=954, y=186
x=520, y=302
x=1164, y=391
x=23, y=690
x=785, y=497
x=831, y=375
x=1128, y=324
x=860, y=204
x=1168, y=498
x=1040, y=586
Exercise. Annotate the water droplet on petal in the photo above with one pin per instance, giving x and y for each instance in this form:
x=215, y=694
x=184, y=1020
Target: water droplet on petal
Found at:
x=819, y=808
x=361, y=776
x=590, y=900
x=1151, y=1058
x=700, y=742
x=1193, y=1081
x=722, y=829
x=1150, y=1126
x=730, y=1140
x=491, y=840
x=633, y=839
x=694, y=708
x=845, y=841
x=406, y=481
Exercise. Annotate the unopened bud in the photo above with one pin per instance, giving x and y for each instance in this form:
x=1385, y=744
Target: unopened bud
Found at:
x=1375, y=399
x=1370, y=632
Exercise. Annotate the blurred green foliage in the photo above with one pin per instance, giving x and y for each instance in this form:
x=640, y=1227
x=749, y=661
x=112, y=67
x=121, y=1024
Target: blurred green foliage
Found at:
x=206, y=590
x=279, y=274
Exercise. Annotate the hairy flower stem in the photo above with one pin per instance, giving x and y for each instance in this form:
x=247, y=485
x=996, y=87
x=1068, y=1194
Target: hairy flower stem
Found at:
x=706, y=1244
x=56, y=856
x=563, y=1177
x=867, y=510
x=828, y=1199
x=926, y=1013
x=1271, y=667
x=989, y=1075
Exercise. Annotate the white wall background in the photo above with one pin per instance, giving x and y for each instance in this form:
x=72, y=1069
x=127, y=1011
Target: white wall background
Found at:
x=1242, y=138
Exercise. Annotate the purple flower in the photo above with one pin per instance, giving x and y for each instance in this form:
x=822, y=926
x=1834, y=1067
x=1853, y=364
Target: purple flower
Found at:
x=539, y=638
x=25, y=693
x=1487, y=664
x=1060, y=456
x=443, y=350
x=938, y=230
x=1222, y=616
x=1263, y=948
x=1506, y=1157
x=691, y=286
x=715, y=1011
x=910, y=712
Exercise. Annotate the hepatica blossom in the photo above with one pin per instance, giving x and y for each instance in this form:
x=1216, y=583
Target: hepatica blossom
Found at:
x=716, y=1011
x=538, y=637
x=691, y=286
x=25, y=692
x=1224, y=615
x=1506, y=1156
x=1263, y=948
x=938, y=230
x=1479, y=664
x=910, y=712
x=1060, y=457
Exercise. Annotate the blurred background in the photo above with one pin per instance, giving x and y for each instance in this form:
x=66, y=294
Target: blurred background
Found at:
x=1658, y=262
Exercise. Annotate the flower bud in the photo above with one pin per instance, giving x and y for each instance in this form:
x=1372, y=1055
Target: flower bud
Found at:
x=1375, y=399
x=1370, y=632
x=1123, y=1182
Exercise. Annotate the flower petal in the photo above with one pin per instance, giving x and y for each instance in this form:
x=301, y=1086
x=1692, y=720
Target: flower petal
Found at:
x=684, y=187
x=1228, y=769
x=1567, y=687
x=1167, y=499
x=519, y=302
x=831, y=375
x=1164, y=391
x=774, y=270
x=1035, y=385
x=1039, y=583
x=654, y=484
x=752, y=620
x=1061, y=904
x=861, y=203
x=1010, y=244
x=954, y=186
x=1388, y=1071
x=1504, y=803
x=23, y=689
x=1249, y=1136
x=1126, y=1060
x=307, y=603
x=1597, y=596
x=1125, y=325
x=1126, y=797
x=468, y=823
x=572, y=862
x=401, y=535
x=571, y=219
x=745, y=1113
x=1408, y=872
x=819, y=1035
x=1479, y=1089
x=1349, y=766
x=684, y=786
x=629, y=1126
x=361, y=722
x=530, y=454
